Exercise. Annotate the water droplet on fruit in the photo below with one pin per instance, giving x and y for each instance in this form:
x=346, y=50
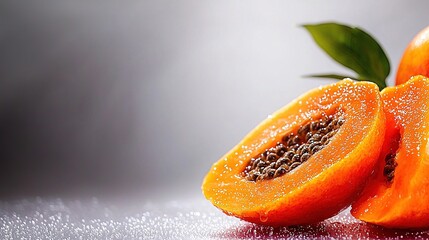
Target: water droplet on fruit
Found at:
x=263, y=217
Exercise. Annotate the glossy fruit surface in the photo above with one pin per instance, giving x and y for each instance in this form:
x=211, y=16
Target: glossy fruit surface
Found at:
x=321, y=186
x=415, y=60
x=402, y=202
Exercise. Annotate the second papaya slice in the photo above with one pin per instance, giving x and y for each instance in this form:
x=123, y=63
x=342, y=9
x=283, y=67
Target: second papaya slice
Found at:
x=305, y=162
x=397, y=194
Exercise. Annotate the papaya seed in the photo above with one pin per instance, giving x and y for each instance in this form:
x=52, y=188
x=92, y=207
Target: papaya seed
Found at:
x=295, y=149
x=389, y=168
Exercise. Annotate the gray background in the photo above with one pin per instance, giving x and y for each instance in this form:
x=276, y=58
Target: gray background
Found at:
x=141, y=97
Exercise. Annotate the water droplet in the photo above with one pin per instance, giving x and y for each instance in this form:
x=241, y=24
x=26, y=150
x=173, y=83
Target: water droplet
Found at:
x=263, y=217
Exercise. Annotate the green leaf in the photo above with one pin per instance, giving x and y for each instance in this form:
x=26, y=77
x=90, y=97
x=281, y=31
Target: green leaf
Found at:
x=330, y=75
x=354, y=49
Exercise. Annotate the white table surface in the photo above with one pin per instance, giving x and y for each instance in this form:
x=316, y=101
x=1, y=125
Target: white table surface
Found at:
x=39, y=218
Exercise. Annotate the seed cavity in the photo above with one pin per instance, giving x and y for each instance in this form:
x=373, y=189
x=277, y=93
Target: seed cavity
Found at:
x=390, y=159
x=389, y=168
x=294, y=149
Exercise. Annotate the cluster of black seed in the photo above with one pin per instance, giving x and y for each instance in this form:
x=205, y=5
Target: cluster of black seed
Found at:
x=389, y=168
x=294, y=149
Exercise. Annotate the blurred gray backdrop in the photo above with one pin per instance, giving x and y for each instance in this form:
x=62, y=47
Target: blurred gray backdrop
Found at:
x=109, y=97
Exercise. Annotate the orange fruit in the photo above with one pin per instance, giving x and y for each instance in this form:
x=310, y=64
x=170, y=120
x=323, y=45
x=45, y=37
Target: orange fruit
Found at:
x=311, y=189
x=415, y=60
x=397, y=195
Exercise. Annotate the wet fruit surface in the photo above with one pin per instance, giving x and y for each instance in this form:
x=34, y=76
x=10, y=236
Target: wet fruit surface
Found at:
x=397, y=195
x=415, y=60
x=320, y=184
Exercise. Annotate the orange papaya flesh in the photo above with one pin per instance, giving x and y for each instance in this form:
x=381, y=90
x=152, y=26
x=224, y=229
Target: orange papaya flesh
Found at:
x=402, y=202
x=321, y=186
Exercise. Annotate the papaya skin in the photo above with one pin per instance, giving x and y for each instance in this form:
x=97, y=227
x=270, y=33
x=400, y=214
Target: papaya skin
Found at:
x=320, y=187
x=415, y=59
x=403, y=203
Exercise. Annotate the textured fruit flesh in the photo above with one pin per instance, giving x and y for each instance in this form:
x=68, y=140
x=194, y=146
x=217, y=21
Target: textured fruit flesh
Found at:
x=403, y=202
x=321, y=186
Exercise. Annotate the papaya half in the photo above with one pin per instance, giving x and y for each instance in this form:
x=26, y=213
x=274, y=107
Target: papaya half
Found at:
x=397, y=195
x=305, y=162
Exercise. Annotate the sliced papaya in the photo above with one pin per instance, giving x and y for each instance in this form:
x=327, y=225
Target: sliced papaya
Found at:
x=305, y=162
x=397, y=195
